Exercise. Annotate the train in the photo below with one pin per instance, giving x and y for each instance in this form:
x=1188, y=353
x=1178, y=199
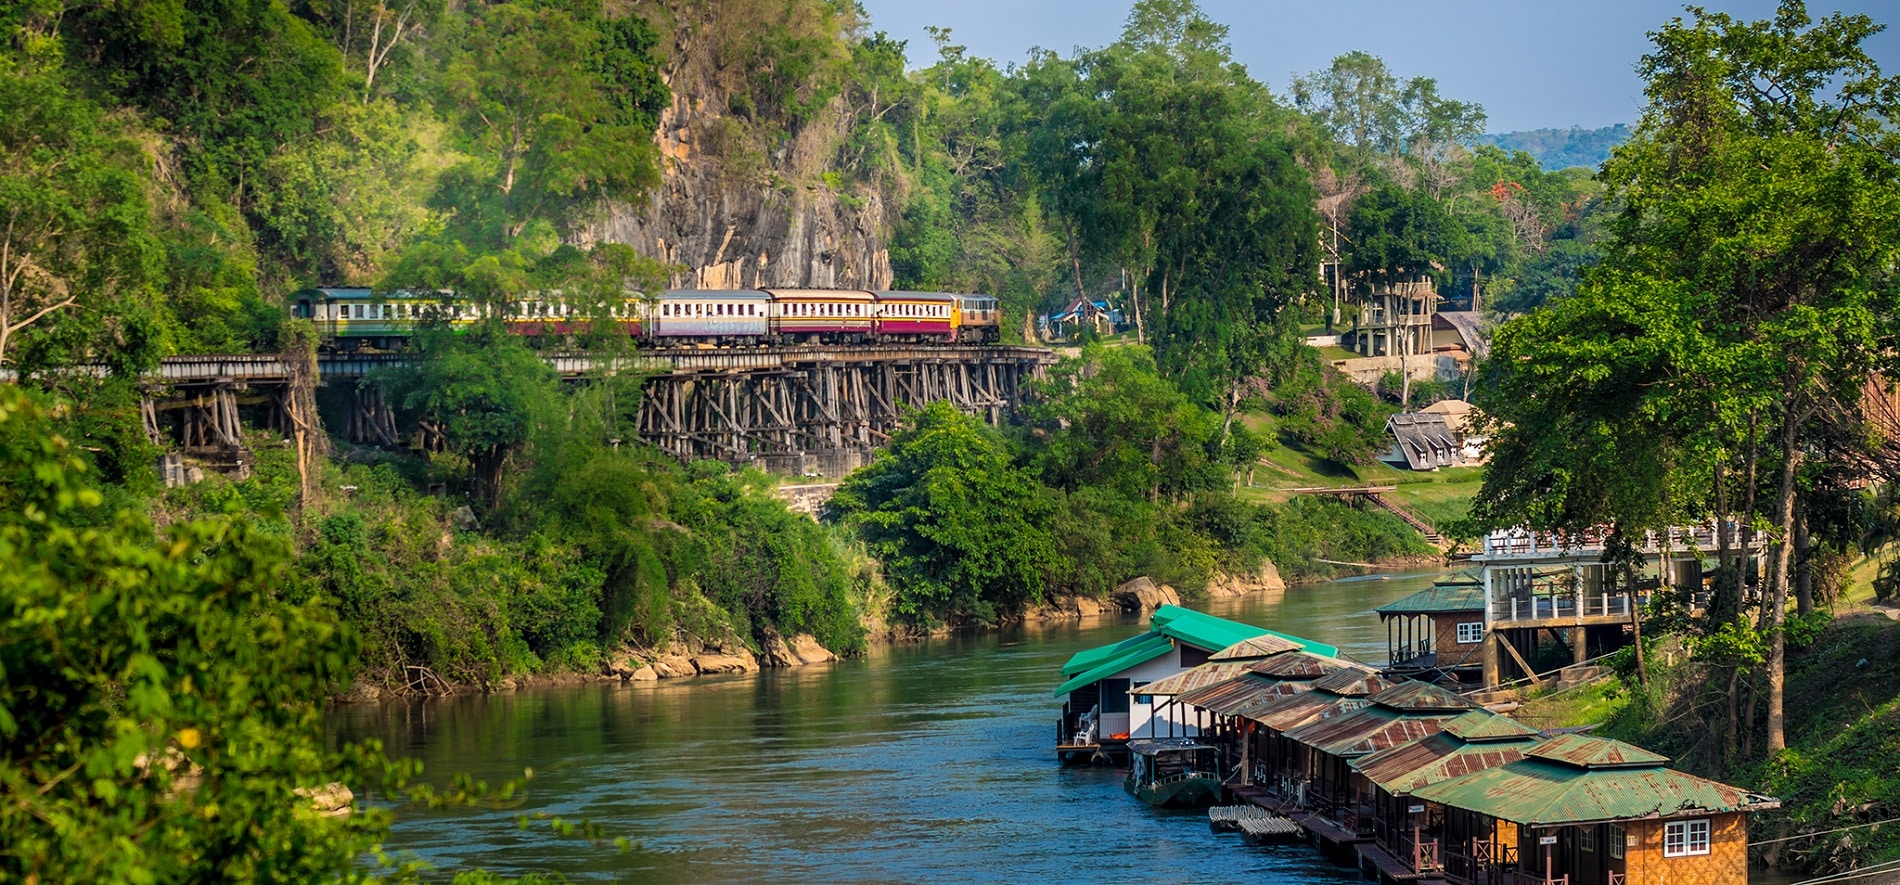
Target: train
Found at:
x=361, y=319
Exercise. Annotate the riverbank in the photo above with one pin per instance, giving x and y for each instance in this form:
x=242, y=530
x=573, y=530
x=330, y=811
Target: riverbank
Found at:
x=698, y=656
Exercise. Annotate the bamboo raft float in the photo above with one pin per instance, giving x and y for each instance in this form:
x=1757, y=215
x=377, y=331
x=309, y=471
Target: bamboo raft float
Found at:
x=1251, y=821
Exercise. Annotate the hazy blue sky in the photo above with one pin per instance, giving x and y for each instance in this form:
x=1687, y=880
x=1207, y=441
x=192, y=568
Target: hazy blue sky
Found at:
x=1531, y=63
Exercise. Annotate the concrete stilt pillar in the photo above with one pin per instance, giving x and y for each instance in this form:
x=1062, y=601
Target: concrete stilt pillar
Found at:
x=1490, y=656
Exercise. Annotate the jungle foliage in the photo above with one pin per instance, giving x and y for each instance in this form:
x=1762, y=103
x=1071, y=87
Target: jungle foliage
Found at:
x=1725, y=357
x=1113, y=473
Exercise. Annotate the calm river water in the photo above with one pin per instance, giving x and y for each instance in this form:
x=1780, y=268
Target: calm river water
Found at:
x=926, y=762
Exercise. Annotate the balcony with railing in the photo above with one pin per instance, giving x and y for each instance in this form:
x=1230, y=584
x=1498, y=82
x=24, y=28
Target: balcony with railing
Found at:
x=1521, y=543
x=1592, y=606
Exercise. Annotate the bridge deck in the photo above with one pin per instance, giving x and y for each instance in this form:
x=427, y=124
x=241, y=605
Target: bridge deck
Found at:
x=671, y=360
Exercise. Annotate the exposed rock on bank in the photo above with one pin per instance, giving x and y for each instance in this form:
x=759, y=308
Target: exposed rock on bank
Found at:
x=1267, y=580
x=645, y=665
x=1144, y=595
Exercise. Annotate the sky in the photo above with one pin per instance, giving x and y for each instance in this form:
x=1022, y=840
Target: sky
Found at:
x=1530, y=63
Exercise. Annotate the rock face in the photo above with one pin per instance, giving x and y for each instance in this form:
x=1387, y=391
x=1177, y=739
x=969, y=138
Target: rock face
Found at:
x=1143, y=595
x=739, y=662
x=1267, y=580
x=798, y=651
x=740, y=209
x=673, y=666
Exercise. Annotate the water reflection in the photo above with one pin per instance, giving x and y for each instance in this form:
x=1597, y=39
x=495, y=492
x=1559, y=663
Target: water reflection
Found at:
x=925, y=762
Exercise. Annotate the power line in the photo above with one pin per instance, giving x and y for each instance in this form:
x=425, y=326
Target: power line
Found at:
x=1891, y=866
x=1823, y=832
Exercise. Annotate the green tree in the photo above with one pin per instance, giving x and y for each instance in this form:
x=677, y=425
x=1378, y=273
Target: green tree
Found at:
x=1745, y=293
x=162, y=706
x=962, y=533
x=76, y=249
x=484, y=392
x=565, y=112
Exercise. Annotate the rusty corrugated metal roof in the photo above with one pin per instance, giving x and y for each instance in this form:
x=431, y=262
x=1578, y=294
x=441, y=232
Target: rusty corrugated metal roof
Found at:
x=1187, y=680
x=1278, y=693
x=1228, y=696
x=1353, y=683
x=1366, y=730
x=1297, y=666
x=1540, y=792
x=1406, y=767
x=1590, y=751
x=1300, y=709
x=1484, y=725
x=1418, y=696
x=1265, y=646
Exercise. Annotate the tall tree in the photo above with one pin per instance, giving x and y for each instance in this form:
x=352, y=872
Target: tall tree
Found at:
x=1746, y=291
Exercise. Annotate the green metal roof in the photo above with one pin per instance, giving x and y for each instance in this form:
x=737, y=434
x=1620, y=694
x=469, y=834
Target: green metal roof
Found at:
x=1212, y=633
x=1170, y=623
x=1589, y=751
x=1453, y=595
x=1151, y=646
x=1539, y=792
x=1482, y=725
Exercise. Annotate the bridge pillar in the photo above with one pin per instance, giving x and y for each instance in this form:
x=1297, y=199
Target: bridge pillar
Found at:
x=372, y=421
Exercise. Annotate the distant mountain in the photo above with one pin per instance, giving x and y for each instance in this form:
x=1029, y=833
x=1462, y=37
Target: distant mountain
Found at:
x=1563, y=148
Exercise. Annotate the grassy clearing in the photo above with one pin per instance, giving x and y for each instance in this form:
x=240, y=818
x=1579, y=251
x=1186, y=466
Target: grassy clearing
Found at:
x=1335, y=352
x=1438, y=496
x=1592, y=704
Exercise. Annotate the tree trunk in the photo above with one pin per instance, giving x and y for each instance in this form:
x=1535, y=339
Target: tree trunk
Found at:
x=1804, y=572
x=1784, y=550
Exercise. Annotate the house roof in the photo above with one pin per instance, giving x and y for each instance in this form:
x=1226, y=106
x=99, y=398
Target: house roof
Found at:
x=1424, y=439
x=1459, y=594
x=1228, y=697
x=1297, y=666
x=1263, y=646
x=1366, y=730
x=1311, y=706
x=1210, y=673
x=1540, y=792
x=1353, y=683
x=1482, y=726
x=1589, y=751
x=1170, y=624
x=1129, y=653
x=1401, y=769
x=1415, y=696
x=1457, y=413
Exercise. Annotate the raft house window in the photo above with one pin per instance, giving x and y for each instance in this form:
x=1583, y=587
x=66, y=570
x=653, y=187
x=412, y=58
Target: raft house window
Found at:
x=1587, y=839
x=1470, y=632
x=1686, y=838
x=1114, y=696
x=1617, y=841
x=1146, y=699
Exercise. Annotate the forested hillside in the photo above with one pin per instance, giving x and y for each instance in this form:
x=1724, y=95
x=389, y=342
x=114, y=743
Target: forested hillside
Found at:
x=1563, y=148
x=174, y=171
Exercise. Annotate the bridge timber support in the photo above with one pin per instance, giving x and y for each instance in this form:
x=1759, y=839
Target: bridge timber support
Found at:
x=825, y=411
x=817, y=411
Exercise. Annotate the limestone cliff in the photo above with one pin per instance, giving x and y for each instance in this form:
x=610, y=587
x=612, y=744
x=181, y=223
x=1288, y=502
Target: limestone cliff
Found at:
x=745, y=202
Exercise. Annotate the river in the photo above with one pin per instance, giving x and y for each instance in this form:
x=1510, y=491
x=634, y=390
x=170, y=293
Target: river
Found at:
x=923, y=762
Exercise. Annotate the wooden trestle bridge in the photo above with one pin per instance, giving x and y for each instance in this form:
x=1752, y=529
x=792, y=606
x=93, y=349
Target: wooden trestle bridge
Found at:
x=809, y=410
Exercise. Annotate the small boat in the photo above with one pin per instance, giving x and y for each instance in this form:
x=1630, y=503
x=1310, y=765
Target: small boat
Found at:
x=1173, y=773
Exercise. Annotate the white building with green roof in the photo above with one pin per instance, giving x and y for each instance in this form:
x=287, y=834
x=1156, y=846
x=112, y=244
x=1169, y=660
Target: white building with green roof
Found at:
x=1102, y=706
